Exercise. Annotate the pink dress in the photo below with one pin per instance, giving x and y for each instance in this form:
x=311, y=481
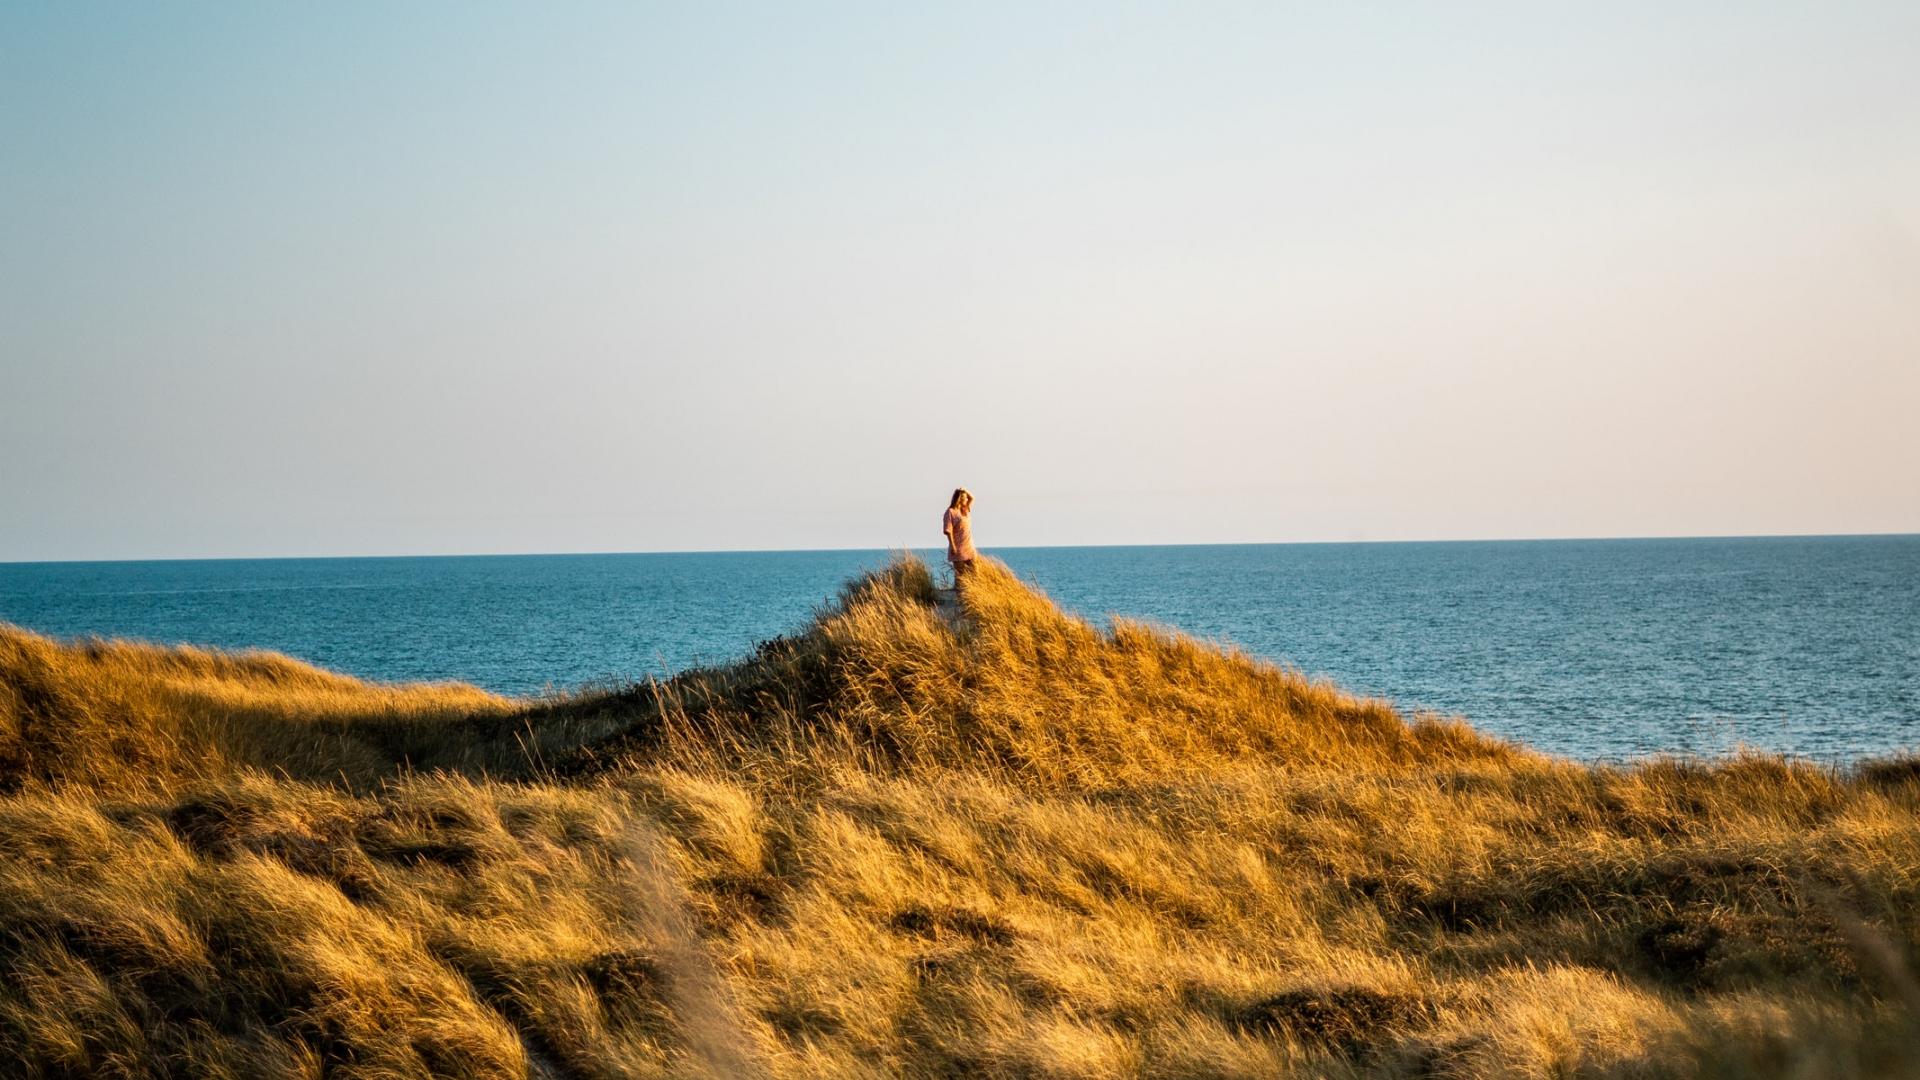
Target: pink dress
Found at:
x=959, y=530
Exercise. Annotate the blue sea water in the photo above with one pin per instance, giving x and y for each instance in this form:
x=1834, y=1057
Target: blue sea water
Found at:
x=1602, y=649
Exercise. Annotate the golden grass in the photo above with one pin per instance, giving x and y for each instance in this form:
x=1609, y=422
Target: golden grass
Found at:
x=906, y=841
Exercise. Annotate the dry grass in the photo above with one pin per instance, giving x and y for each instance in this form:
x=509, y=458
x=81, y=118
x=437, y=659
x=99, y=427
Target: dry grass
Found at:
x=1005, y=844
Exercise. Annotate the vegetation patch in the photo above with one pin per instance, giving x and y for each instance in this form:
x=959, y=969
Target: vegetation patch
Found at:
x=1347, y=1018
x=923, y=836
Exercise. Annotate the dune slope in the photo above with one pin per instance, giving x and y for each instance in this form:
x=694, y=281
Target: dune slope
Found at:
x=913, y=839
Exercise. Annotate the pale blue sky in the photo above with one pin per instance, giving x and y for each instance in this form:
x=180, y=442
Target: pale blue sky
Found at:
x=290, y=279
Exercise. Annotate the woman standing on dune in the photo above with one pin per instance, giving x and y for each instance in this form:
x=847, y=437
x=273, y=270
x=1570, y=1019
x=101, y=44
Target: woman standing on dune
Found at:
x=957, y=523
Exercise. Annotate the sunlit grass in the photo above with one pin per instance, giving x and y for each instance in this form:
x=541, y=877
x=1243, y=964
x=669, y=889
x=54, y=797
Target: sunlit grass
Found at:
x=913, y=839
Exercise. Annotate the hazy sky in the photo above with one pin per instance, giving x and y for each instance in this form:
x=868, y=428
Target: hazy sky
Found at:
x=285, y=279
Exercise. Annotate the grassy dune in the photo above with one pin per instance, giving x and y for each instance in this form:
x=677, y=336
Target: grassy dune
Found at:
x=913, y=841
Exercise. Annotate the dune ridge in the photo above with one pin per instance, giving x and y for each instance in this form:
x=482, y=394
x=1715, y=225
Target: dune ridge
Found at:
x=919, y=839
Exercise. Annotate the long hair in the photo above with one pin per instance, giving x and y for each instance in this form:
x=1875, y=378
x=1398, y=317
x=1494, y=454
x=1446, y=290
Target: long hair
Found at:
x=960, y=495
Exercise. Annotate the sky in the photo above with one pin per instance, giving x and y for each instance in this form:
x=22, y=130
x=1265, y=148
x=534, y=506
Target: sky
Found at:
x=436, y=278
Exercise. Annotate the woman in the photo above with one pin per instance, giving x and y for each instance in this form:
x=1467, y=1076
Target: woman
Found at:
x=958, y=525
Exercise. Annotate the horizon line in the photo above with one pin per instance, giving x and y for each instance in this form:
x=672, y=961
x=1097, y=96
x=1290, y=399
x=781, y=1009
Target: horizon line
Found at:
x=986, y=550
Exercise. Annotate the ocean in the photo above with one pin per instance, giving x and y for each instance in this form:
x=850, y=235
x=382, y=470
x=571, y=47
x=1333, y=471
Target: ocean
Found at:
x=1595, y=649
